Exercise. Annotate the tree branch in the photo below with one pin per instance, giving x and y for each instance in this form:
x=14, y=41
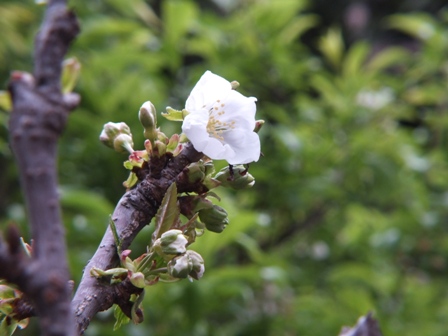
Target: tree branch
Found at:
x=38, y=118
x=133, y=212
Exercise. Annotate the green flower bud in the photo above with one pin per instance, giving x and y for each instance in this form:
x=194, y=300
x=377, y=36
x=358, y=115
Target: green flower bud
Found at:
x=196, y=172
x=214, y=218
x=159, y=148
x=117, y=136
x=148, y=118
x=238, y=179
x=209, y=168
x=138, y=279
x=123, y=143
x=172, y=242
x=162, y=137
x=180, y=267
x=198, y=268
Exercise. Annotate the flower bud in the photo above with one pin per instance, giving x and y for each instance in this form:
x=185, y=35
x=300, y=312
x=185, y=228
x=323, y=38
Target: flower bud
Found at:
x=236, y=179
x=258, y=125
x=198, y=268
x=138, y=279
x=209, y=168
x=180, y=267
x=127, y=262
x=196, y=172
x=214, y=218
x=148, y=118
x=123, y=143
x=173, y=142
x=117, y=136
x=172, y=242
x=234, y=85
x=159, y=148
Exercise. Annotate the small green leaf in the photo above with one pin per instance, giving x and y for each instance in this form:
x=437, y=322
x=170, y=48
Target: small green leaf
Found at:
x=332, y=47
x=168, y=213
x=120, y=318
x=7, y=328
x=387, y=58
x=5, y=101
x=115, y=233
x=174, y=115
x=71, y=69
x=355, y=59
x=131, y=181
x=135, y=318
x=98, y=273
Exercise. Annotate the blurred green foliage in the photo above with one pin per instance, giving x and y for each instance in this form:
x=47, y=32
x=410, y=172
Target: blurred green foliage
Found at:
x=349, y=209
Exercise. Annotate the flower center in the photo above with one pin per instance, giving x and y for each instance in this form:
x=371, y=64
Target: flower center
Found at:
x=216, y=126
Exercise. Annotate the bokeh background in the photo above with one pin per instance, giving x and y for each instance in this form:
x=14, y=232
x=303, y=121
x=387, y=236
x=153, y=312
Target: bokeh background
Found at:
x=350, y=207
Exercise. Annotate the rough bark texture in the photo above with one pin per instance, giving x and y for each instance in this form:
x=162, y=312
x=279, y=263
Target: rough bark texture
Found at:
x=38, y=118
x=133, y=212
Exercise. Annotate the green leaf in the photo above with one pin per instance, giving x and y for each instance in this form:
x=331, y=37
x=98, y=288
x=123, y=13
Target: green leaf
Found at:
x=387, y=58
x=135, y=318
x=174, y=115
x=71, y=68
x=115, y=233
x=180, y=16
x=297, y=27
x=418, y=25
x=120, y=318
x=5, y=101
x=168, y=213
x=332, y=47
x=355, y=58
x=7, y=328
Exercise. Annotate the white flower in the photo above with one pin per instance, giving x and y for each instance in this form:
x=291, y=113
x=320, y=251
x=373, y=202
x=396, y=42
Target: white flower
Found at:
x=221, y=121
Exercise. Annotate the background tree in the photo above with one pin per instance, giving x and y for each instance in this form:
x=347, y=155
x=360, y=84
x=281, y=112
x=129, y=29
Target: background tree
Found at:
x=351, y=193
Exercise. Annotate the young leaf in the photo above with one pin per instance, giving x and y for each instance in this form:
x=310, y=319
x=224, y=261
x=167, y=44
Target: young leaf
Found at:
x=115, y=233
x=174, y=115
x=168, y=213
x=71, y=69
x=135, y=317
x=120, y=317
x=5, y=101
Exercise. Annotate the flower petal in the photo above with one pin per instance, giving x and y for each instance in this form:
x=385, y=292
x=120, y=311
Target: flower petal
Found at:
x=245, y=146
x=195, y=128
x=239, y=109
x=207, y=90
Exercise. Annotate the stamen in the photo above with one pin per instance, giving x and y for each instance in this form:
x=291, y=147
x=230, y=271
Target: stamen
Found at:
x=215, y=126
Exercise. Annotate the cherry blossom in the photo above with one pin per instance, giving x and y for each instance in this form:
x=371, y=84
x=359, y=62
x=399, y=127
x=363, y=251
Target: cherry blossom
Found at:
x=221, y=121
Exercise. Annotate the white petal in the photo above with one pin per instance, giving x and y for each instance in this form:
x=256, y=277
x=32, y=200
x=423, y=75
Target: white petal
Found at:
x=195, y=128
x=245, y=145
x=217, y=150
x=239, y=109
x=207, y=90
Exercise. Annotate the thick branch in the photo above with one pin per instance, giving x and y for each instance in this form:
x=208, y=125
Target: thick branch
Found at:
x=133, y=212
x=38, y=118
